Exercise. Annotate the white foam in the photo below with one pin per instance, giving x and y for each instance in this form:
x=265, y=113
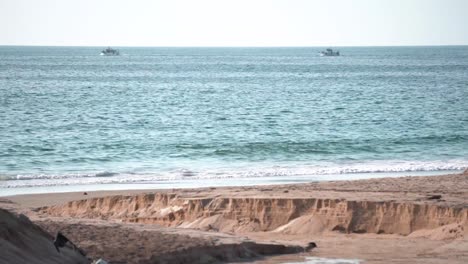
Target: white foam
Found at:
x=314, y=260
x=312, y=172
x=60, y=176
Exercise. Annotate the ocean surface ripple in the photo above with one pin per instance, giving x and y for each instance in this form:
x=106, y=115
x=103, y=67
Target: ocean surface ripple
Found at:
x=70, y=116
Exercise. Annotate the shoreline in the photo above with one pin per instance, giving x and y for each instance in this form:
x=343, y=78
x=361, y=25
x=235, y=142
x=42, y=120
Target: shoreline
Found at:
x=423, y=218
x=222, y=182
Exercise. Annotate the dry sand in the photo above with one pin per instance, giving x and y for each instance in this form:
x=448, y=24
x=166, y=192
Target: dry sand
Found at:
x=390, y=220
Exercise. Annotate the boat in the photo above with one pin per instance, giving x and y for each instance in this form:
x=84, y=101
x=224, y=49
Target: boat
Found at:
x=110, y=52
x=329, y=52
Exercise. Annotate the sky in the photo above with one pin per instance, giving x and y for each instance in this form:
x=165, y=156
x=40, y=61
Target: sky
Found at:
x=234, y=22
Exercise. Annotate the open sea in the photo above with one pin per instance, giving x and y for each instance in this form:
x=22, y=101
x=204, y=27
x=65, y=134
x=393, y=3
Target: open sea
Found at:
x=71, y=119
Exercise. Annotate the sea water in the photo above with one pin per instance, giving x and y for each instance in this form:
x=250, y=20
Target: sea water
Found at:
x=315, y=260
x=213, y=116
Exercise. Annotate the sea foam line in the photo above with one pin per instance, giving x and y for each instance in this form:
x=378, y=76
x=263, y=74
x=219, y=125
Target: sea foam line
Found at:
x=248, y=171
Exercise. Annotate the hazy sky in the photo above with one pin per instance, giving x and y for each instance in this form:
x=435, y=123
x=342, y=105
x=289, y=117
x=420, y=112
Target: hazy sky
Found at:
x=234, y=22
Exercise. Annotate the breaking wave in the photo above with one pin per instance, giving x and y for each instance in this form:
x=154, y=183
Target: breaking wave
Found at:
x=316, y=172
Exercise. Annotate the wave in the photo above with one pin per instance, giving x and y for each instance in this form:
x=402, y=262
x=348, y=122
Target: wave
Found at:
x=315, y=172
x=355, y=147
x=56, y=176
x=369, y=167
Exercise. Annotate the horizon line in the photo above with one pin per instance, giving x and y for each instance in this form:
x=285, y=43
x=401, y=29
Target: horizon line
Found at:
x=196, y=46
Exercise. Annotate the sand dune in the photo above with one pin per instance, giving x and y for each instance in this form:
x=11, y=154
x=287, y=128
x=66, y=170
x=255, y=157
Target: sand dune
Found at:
x=21, y=241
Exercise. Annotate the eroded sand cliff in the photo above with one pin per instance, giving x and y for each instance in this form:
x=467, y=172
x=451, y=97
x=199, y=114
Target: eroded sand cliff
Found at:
x=267, y=214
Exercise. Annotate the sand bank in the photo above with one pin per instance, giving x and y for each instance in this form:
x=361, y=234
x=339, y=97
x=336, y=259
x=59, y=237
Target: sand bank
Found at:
x=389, y=220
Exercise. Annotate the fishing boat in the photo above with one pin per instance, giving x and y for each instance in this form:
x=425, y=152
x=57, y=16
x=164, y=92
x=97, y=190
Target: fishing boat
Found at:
x=110, y=52
x=329, y=52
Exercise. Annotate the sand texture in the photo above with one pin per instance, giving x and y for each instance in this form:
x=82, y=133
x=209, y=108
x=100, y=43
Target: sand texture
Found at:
x=21, y=241
x=390, y=220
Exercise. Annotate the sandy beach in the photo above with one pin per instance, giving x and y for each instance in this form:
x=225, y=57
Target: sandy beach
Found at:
x=389, y=220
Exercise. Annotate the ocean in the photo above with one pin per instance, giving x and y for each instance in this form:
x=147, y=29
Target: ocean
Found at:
x=191, y=117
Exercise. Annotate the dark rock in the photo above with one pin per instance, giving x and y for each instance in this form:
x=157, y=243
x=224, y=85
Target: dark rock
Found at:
x=434, y=197
x=310, y=246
